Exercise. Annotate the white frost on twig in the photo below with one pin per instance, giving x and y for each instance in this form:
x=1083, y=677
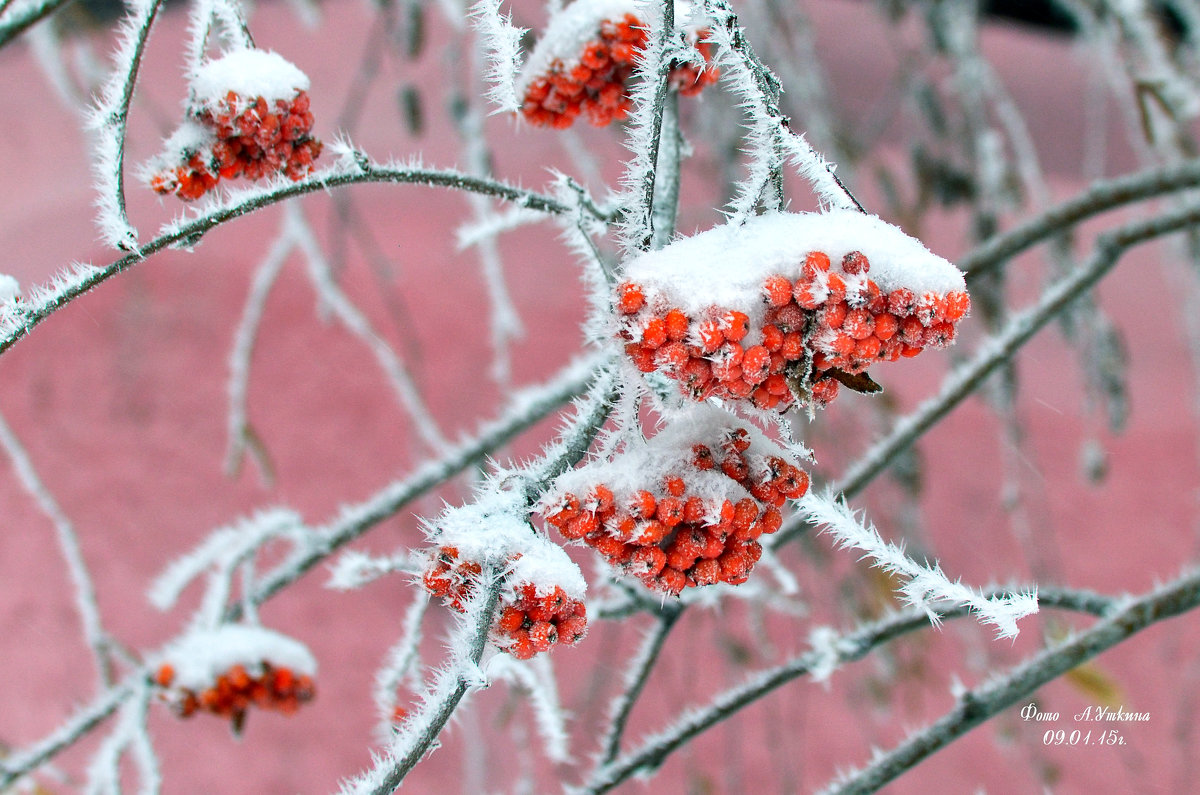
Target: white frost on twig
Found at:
x=926, y=585
x=502, y=41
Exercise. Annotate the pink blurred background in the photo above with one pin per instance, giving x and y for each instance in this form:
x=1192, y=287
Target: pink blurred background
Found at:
x=120, y=400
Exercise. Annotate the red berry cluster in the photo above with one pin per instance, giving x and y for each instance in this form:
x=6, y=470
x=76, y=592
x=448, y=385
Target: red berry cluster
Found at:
x=235, y=690
x=822, y=328
x=251, y=139
x=672, y=537
x=535, y=621
x=451, y=579
x=530, y=621
x=597, y=83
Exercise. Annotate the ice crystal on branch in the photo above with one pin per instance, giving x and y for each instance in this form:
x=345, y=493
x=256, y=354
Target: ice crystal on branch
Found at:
x=785, y=307
x=683, y=509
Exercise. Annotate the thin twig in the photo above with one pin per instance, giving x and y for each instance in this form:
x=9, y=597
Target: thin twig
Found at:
x=26, y=317
x=848, y=647
x=639, y=669
x=27, y=18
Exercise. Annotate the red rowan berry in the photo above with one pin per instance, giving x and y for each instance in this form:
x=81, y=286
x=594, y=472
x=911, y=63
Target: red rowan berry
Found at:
x=902, y=302
x=676, y=323
x=778, y=289
x=675, y=486
x=858, y=324
x=755, y=364
x=855, y=263
x=793, y=346
x=886, y=326
x=702, y=457
x=834, y=314
x=772, y=338
x=710, y=334
x=818, y=260
x=735, y=325
x=824, y=391
x=706, y=572
x=654, y=332
x=630, y=298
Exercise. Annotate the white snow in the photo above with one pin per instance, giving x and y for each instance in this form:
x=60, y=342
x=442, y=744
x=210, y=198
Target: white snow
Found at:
x=492, y=529
x=200, y=656
x=249, y=73
x=727, y=265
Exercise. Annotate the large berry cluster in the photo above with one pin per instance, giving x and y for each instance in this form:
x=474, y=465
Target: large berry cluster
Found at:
x=829, y=323
x=531, y=618
x=243, y=130
x=687, y=515
x=237, y=689
x=593, y=78
x=795, y=324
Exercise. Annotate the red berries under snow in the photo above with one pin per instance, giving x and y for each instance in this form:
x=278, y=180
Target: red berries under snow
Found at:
x=248, y=116
x=786, y=307
x=531, y=617
x=227, y=670
x=683, y=509
x=584, y=61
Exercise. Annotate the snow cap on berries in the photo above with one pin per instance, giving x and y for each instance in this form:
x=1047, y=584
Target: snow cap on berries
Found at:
x=661, y=454
x=726, y=265
x=568, y=33
x=200, y=657
x=248, y=73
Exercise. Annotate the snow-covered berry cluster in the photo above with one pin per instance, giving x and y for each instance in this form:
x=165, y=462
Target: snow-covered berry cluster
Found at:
x=684, y=508
x=583, y=63
x=228, y=670
x=541, y=605
x=450, y=578
x=786, y=307
x=248, y=116
x=534, y=620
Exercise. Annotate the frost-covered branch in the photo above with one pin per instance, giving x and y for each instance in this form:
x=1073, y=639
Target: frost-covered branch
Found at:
x=108, y=120
x=1098, y=198
x=637, y=673
x=925, y=584
x=1126, y=618
x=15, y=20
x=452, y=682
x=770, y=131
x=829, y=652
x=42, y=302
x=85, y=592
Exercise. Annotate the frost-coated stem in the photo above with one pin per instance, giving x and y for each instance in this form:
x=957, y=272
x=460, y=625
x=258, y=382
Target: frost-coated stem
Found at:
x=42, y=302
x=1099, y=198
x=1000, y=348
x=836, y=651
x=646, y=126
x=759, y=90
x=109, y=121
x=238, y=425
x=420, y=731
x=75, y=728
x=666, y=188
x=25, y=18
x=638, y=673
x=526, y=407
x=319, y=272
x=977, y=705
x=85, y=591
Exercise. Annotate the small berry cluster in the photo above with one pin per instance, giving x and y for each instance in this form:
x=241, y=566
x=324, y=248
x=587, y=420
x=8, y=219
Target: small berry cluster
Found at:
x=451, y=579
x=248, y=137
x=235, y=690
x=679, y=531
x=821, y=328
x=531, y=620
x=597, y=83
